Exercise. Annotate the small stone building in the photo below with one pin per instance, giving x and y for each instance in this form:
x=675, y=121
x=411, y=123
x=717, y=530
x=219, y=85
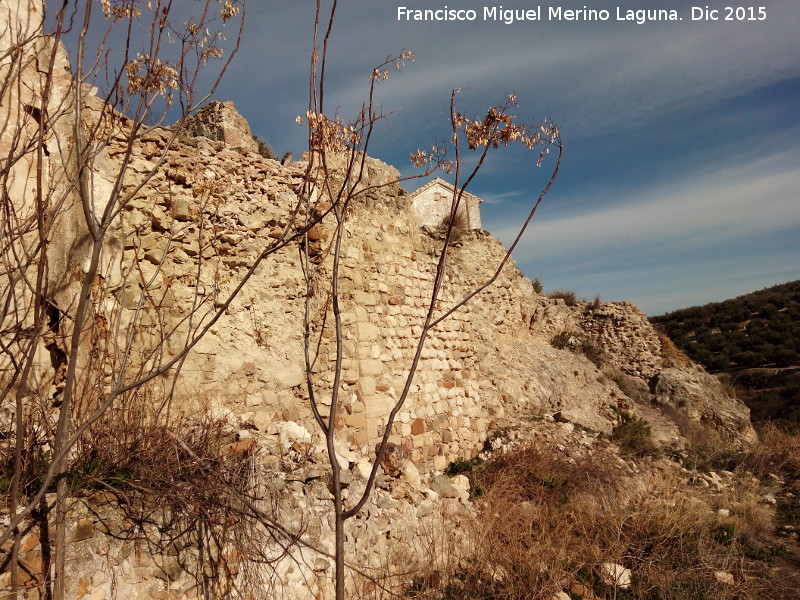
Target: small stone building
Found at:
x=432, y=204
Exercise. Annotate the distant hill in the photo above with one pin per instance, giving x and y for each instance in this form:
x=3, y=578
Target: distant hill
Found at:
x=755, y=339
x=760, y=329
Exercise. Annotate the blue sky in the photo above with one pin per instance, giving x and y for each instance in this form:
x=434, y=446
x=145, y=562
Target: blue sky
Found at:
x=681, y=178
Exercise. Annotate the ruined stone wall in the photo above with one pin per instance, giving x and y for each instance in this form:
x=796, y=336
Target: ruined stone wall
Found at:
x=189, y=237
x=219, y=121
x=491, y=358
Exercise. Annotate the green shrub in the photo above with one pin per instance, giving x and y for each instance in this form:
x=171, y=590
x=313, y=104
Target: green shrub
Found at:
x=537, y=286
x=561, y=340
x=593, y=352
x=572, y=341
x=462, y=465
x=634, y=435
x=568, y=296
x=764, y=553
x=724, y=533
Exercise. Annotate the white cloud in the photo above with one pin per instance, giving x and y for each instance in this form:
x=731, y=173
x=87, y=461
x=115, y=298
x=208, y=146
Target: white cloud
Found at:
x=596, y=76
x=702, y=210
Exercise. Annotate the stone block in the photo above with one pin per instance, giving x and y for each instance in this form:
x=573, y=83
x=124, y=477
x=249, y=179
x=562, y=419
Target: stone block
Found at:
x=262, y=420
x=367, y=331
x=359, y=438
x=370, y=366
x=366, y=386
x=441, y=485
x=289, y=378
x=356, y=420
x=417, y=427
x=29, y=542
x=350, y=376
x=181, y=210
x=376, y=406
x=440, y=463
x=364, y=298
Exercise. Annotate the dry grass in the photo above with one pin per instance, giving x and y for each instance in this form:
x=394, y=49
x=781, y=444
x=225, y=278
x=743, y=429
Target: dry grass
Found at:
x=568, y=296
x=548, y=522
x=672, y=355
x=460, y=226
x=778, y=452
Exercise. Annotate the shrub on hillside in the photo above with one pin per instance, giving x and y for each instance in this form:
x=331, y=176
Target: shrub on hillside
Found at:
x=573, y=341
x=568, y=296
x=633, y=434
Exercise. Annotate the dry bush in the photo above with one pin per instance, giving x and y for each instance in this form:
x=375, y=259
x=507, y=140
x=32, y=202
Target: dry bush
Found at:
x=547, y=522
x=672, y=355
x=180, y=487
x=778, y=452
x=459, y=229
x=264, y=148
x=189, y=489
x=576, y=342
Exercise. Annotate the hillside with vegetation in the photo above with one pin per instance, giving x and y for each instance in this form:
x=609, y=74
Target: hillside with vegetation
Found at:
x=755, y=340
x=760, y=329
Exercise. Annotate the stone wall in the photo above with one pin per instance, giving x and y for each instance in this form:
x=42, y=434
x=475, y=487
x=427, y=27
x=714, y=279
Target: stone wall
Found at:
x=220, y=206
x=219, y=122
x=193, y=232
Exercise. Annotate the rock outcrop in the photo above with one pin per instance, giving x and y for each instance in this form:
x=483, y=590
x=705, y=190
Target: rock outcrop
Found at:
x=219, y=121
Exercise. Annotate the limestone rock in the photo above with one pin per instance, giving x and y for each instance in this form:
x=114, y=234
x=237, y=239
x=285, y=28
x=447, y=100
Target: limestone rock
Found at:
x=289, y=378
x=411, y=474
x=614, y=574
x=290, y=431
x=442, y=485
x=219, y=121
x=724, y=577
x=702, y=398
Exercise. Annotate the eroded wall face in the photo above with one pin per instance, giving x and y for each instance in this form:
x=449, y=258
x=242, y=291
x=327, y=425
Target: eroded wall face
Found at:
x=191, y=235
